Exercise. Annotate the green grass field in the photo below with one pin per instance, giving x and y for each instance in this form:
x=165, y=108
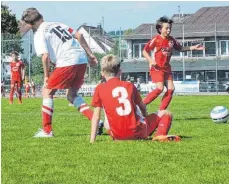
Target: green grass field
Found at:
x=201, y=157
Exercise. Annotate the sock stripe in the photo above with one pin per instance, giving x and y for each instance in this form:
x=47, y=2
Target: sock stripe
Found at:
x=47, y=108
x=46, y=111
x=84, y=108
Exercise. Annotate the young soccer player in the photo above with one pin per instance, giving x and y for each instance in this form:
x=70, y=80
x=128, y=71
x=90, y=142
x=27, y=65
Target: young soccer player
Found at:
x=17, y=76
x=162, y=46
x=27, y=89
x=67, y=49
x=33, y=87
x=120, y=101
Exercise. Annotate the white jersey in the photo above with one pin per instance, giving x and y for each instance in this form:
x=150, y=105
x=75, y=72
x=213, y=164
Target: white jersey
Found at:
x=58, y=41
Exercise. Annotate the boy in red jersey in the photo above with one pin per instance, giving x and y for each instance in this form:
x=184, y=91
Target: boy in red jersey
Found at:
x=27, y=89
x=17, y=76
x=33, y=88
x=160, y=69
x=124, y=110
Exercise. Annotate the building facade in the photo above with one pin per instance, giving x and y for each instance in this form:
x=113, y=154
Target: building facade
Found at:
x=208, y=26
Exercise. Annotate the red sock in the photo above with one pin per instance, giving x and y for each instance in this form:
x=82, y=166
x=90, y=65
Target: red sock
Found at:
x=47, y=111
x=19, y=95
x=166, y=99
x=11, y=94
x=86, y=111
x=152, y=95
x=164, y=125
x=82, y=106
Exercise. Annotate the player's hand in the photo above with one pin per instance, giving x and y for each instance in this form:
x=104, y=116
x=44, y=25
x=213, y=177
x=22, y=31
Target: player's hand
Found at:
x=92, y=60
x=153, y=65
x=197, y=47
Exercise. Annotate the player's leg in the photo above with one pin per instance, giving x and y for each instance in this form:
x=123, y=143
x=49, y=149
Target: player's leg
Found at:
x=11, y=92
x=79, y=103
x=164, y=124
x=158, y=78
x=169, y=93
x=47, y=113
x=19, y=85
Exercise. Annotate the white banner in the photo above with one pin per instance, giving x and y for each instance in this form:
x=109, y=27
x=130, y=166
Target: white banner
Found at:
x=180, y=86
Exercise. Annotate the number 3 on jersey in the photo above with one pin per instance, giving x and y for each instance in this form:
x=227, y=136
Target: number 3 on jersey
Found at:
x=122, y=100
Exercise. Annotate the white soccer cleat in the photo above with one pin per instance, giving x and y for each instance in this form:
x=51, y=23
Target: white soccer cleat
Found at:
x=42, y=133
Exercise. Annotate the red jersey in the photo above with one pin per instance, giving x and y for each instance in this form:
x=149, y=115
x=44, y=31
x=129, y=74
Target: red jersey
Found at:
x=162, y=48
x=119, y=100
x=16, y=70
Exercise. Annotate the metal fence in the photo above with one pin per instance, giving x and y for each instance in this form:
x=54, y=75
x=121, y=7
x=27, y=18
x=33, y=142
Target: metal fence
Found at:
x=214, y=37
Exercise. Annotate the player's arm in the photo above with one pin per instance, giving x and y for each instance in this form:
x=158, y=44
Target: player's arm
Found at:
x=146, y=52
x=139, y=102
x=194, y=47
x=45, y=62
x=180, y=48
x=95, y=123
x=92, y=59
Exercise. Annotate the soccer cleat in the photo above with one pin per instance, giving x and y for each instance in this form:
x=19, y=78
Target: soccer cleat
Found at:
x=100, y=128
x=42, y=133
x=167, y=138
x=19, y=102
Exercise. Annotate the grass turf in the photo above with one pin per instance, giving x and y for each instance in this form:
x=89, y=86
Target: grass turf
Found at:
x=201, y=157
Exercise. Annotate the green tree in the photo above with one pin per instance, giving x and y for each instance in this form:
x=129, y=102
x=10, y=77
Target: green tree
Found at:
x=128, y=31
x=9, y=32
x=36, y=65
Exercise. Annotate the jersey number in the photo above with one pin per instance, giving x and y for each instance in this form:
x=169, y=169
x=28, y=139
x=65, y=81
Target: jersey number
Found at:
x=61, y=33
x=122, y=100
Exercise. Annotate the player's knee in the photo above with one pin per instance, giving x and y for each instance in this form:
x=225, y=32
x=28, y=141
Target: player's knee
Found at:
x=159, y=90
x=78, y=101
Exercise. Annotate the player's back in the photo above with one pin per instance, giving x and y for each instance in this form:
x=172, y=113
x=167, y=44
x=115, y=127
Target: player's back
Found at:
x=119, y=100
x=58, y=40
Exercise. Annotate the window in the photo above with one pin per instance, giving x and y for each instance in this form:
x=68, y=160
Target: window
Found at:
x=210, y=76
x=224, y=47
x=142, y=47
x=210, y=49
x=136, y=50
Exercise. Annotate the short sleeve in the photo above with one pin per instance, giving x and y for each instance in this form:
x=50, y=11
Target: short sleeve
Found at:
x=96, y=101
x=150, y=45
x=40, y=43
x=72, y=31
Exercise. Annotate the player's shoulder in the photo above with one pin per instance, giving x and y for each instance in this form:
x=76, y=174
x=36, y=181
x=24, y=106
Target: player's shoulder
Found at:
x=171, y=38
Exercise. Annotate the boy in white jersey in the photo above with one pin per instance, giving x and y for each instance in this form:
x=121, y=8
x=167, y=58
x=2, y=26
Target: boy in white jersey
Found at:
x=55, y=43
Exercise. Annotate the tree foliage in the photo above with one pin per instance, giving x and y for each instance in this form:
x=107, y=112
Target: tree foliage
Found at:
x=10, y=36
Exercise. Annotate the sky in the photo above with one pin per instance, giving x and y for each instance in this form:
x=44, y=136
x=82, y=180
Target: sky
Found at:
x=117, y=14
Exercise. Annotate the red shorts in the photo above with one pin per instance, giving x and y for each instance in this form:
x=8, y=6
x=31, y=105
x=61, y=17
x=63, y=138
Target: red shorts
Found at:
x=146, y=130
x=143, y=130
x=67, y=77
x=160, y=75
x=18, y=82
x=27, y=89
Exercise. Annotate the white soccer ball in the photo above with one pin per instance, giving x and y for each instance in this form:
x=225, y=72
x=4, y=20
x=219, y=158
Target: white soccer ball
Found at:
x=219, y=114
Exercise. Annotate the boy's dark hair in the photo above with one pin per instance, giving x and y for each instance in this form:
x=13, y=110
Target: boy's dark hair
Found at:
x=15, y=53
x=162, y=20
x=31, y=15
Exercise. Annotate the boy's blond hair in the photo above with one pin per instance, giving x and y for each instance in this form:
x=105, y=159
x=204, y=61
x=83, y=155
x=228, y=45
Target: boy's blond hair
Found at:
x=110, y=65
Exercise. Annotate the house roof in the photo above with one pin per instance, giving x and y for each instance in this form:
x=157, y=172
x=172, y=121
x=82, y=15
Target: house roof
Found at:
x=203, y=23
x=97, y=34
